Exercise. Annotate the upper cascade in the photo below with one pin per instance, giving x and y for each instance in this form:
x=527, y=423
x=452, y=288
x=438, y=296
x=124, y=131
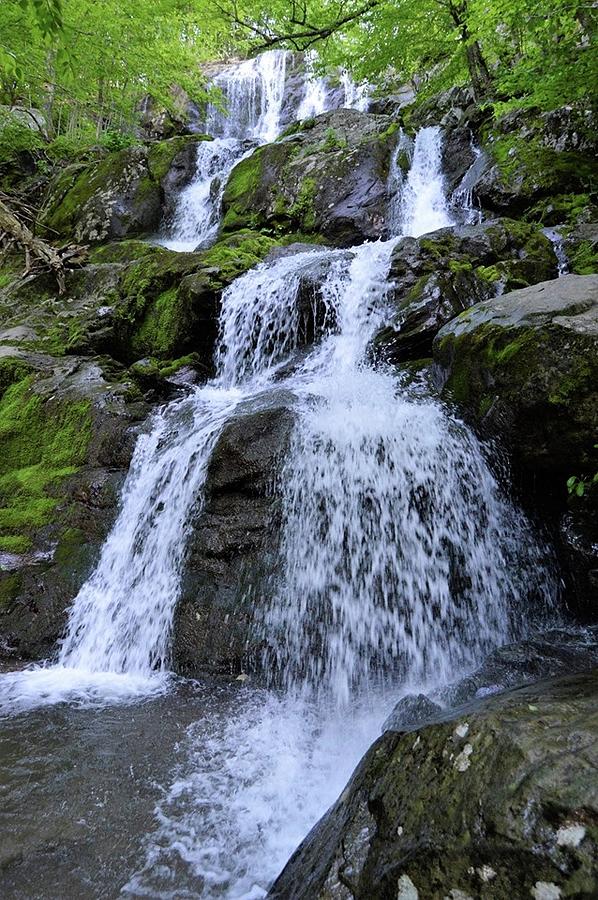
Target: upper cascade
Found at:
x=260, y=98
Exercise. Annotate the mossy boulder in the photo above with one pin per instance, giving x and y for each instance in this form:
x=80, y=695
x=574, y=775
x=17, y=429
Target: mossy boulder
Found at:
x=437, y=276
x=581, y=248
x=534, y=156
x=132, y=300
x=495, y=800
x=528, y=362
x=119, y=195
x=65, y=445
x=524, y=367
x=327, y=177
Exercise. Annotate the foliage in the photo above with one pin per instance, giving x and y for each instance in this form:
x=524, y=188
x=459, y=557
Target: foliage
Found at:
x=88, y=65
x=518, y=52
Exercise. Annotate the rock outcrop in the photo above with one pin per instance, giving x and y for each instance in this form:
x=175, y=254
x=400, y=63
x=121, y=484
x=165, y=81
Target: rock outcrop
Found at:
x=119, y=195
x=496, y=799
x=234, y=541
x=66, y=437
x=437, y=276
x=525, y=367
x=327, y=177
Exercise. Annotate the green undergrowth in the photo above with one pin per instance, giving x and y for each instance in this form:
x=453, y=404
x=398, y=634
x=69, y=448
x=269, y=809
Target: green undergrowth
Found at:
x=42, y=441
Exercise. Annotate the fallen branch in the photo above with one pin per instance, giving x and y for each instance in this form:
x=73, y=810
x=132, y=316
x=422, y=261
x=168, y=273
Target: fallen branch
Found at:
x=57, y=259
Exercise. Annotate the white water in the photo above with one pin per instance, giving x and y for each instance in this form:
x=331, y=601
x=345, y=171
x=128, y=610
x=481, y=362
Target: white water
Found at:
x=462, y=200
x=197, y=214
x=118, y=635
x=253, y=100
x=401, y=562
x=558, y=242
x=424, y=202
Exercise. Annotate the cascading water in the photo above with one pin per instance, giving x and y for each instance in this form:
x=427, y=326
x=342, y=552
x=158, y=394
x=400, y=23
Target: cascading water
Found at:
x=197, y=214
x=424, y=204
x=401, y=562
x=253, y=103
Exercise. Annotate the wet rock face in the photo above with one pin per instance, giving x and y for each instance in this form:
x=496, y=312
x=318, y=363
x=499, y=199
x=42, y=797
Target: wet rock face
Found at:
x=527, y=363
x=533, y=156
x=437, y=276
x=233, y=543
x=329, y=179
x=498, y=800
x=120, y=195
x=525, y=368
x=66, y=438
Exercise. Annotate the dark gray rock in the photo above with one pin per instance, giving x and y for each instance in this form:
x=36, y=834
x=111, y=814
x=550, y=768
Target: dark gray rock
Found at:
x=411, y=712
x=437, y=276
x=234, y=541
x=499, y=800
x=328, y=179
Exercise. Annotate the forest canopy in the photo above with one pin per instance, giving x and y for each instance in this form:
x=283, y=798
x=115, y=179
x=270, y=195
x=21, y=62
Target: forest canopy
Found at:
x=87, y=64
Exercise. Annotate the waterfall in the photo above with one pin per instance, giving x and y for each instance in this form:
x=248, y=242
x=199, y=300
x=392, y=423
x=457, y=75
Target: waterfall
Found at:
x=253, y=93
x=197, y=214
x=401, y=563
x=558, y=243
x=424, y=204
x=462, y=199
x=253, y=101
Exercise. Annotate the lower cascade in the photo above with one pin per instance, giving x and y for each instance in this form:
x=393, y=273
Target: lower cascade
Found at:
x=402, y=561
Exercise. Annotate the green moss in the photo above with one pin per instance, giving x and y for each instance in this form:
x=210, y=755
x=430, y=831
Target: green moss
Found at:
x=236, y=254
x=41, y=442
x=584, y=259
x=161, y=153
x=160, y=330
x=10, y=587
x=458, y=266
x=562, y=209
x=540, y=169
x=15, y=543
x=302, y=210
x=488, y=273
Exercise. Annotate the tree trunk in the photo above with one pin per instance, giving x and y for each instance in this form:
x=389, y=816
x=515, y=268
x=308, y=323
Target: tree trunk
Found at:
x=479, y=73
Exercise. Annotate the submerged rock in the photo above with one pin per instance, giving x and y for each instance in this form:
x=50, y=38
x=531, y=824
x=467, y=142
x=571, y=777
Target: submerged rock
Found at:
x=328, y=177
x=435, y=277
x=233, y=544
x=498, y=800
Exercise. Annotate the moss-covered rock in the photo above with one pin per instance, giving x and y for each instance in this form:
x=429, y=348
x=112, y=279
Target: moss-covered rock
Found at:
x=437, y=276
x=533, y=160
x=529, y=362
x=495, y=800
x=132, y=300
x=119, y=195
x=64, y=448
x=525, y=367
x=327, y=179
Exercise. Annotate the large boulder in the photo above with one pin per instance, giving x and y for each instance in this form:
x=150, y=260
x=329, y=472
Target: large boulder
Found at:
x=525, y=366
x=527, y=362
x=233, y=544
x=497, y=799
x=437, y=276
x=119, y=195
x=328, y=177
x=66, y=438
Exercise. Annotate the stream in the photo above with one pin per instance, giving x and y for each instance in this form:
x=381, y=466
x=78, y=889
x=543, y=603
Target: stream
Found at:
x=402, y=563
